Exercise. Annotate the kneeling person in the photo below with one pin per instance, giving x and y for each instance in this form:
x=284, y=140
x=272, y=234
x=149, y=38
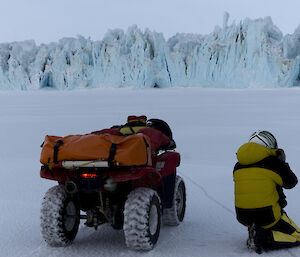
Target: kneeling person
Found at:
x=260, y=175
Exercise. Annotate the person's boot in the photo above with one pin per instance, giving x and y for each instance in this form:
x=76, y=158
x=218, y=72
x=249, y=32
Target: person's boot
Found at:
x=254, y=240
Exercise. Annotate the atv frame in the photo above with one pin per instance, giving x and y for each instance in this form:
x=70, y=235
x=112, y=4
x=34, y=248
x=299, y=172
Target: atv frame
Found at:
x=130, y=198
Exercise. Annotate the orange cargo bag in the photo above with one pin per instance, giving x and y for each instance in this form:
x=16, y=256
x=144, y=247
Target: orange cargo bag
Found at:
x=132, y=150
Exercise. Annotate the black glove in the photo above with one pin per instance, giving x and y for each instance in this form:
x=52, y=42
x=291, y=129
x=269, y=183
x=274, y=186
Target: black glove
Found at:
x=282, y=198
x=281, y=155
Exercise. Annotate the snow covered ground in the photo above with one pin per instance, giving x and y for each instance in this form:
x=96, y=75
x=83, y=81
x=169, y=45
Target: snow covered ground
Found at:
x=208, y=125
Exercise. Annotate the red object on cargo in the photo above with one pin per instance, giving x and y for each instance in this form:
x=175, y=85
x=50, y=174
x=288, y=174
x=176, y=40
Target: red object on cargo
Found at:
x=157, y=138
x=132, y=118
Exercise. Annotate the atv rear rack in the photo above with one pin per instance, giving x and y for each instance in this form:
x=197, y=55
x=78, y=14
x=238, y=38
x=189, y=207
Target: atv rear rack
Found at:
x=83, y=164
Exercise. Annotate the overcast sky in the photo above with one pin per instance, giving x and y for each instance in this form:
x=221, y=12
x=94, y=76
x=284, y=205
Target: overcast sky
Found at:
x=49, y=20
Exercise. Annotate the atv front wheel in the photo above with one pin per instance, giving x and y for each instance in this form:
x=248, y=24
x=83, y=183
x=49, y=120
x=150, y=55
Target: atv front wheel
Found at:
x=174, y=215
x=60, y=217
x=142, y=218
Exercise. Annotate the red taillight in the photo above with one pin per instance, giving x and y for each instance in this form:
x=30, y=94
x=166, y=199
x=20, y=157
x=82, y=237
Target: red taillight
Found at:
x=89, y=175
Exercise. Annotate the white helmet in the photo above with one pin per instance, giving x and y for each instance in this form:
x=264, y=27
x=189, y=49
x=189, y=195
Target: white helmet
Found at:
x=264, y=138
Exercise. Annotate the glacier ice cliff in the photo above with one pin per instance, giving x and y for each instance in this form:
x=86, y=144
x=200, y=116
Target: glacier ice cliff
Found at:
x=252, y=53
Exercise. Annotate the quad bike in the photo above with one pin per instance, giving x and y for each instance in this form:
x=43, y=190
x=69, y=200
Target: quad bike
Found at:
x=134, y=199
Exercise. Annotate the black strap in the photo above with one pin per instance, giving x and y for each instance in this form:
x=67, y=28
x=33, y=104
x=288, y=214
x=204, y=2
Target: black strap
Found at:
x=147, y=145
x=131, y=129
x=57, y=145
x=135, y=124
x=112, y=153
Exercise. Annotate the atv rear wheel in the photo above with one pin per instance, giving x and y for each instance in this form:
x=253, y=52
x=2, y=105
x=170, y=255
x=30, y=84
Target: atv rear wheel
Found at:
x=142, y=219
x=174, y=215
x=60, y=217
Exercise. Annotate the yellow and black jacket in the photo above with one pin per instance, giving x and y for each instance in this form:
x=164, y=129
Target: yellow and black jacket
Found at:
x=259, y=177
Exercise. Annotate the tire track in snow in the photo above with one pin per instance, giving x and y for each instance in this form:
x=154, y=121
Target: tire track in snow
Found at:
x=207, y=194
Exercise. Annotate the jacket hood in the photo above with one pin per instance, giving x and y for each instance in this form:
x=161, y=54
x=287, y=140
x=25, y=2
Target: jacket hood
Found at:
x=251, y=153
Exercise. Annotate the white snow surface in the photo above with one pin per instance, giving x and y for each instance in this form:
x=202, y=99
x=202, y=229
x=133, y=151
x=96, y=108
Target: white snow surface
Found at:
x=252, y=53
x=208, y=125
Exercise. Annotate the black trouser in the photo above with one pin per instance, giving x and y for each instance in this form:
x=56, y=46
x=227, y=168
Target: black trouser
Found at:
x=285, y=233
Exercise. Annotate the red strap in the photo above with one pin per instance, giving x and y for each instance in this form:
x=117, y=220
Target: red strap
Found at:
x=136, y=118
